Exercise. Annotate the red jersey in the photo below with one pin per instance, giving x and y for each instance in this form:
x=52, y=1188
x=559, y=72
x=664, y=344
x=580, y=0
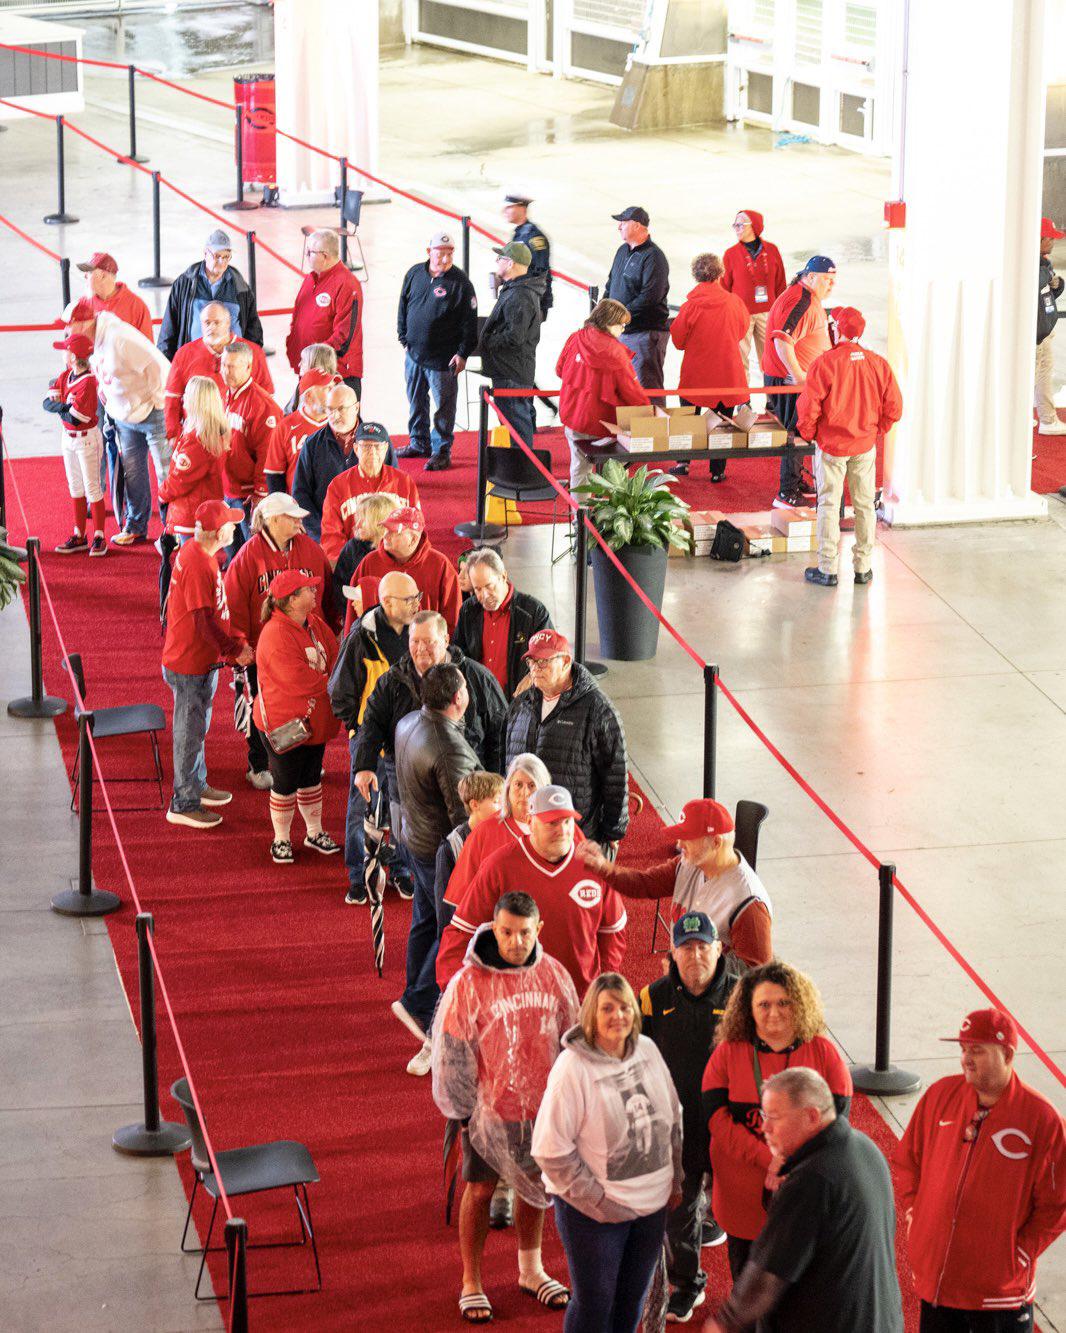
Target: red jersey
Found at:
x=851, y=398
x=79, y=394
x=196, y=358
x=293, y=663
x=196, y=582
x=732, y=1102
x=128, y=307
x=338, y=508
x=708, y=329
x=252, y=569
x=487, y=838
x=596, y=373
x=758, y=281
x=981, y=1210
x=433, y=573
x=329, y=309
x=584, y=919
x=799, y=318
x=284, y=451
x=194, y=476
x=254, y=418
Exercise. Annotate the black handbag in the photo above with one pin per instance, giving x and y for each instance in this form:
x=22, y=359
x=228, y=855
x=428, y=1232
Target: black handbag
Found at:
x=728, y=542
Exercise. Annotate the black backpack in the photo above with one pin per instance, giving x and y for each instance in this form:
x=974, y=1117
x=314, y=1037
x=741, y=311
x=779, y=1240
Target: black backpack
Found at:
x=728, y=542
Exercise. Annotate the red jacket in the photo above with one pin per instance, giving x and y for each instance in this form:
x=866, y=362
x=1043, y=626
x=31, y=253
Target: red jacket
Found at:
x=194, y=476
x=196, y=358
x=293, y=663
x=284, y=451
x=981, y=1212
x=251, y=570
x=849, y=401
x=708, y=329
x=338, y=508
x=433, y=573
x=129, y=307
x=329, y=309
x=597, y=375
x=254, y=418
x=744, y=275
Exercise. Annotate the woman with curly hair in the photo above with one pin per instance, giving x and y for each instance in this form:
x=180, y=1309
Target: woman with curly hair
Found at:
x=773, y=1021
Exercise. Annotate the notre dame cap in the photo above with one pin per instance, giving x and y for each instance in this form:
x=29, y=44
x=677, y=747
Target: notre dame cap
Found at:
x=695, y=926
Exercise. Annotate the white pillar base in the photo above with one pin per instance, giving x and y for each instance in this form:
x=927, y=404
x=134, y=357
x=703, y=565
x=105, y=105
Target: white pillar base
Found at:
x=917, y=513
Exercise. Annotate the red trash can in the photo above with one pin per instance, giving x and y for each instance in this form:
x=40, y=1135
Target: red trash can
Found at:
x=255, y=93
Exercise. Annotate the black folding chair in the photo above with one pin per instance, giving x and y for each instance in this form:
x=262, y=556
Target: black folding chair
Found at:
x=512, y=476
x=351, y=211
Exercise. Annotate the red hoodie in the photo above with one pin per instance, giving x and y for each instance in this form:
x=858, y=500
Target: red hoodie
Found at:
x=849, y=401
x=759, y=281
x=293, y=663
x=329, y=309
x=194, y=476
x=250, y=572
x=708, y=329
x=433, y=573
x=597, y=376
x=128, y=307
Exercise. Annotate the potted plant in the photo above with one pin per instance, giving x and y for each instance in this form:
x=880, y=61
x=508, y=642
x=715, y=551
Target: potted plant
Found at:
x=635, y=515
x=11, y=576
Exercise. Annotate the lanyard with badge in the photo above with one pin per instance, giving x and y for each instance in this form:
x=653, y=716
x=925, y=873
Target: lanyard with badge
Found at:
x=761, y=295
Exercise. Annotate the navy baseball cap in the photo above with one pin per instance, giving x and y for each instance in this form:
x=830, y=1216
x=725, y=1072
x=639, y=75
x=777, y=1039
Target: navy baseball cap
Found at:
x=634, y=213
x=695, y=926
x=372, y=430
x=819, y=264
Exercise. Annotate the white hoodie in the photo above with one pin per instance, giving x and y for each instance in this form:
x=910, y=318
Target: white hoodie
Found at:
x=131, y=372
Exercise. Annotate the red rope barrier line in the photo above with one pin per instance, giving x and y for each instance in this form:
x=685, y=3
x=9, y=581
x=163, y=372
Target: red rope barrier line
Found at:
x=36, y=244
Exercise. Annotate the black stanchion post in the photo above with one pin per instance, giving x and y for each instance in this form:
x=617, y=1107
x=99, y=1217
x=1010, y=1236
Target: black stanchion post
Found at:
x=64, y=280
x=594, y=296
x=132, y=72
x=240, y=204
x=60, y=215
x=84, y=900
x=38, y=704
x=342, y=195
x=480, y=531
x=464, y=222
x=156, y=278
x=581, y=574
x=710, y=730
x=237, y=1254
x=155, y=1137
x=253, y=281
x=884, y=1079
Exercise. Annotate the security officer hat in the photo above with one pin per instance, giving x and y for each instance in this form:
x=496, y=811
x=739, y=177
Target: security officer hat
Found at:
x=523, y=199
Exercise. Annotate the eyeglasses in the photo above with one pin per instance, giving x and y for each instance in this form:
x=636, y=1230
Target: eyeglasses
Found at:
x=541, y=663
x=405, y=601
x=318, y=252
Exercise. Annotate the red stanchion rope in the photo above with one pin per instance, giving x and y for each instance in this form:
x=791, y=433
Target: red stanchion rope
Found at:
x=36, y=244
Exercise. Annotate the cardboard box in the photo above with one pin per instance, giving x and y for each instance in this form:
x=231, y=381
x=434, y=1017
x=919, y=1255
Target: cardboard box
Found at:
x=642, y=432
x=704, y=522
x=760, y=538
x=675, y=552
x=722, y=434
x=766, y=432
x=794, y=522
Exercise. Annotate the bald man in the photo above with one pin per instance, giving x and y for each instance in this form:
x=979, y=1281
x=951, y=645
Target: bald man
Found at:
x=377, y=640
x=329, y=452
x=204, y=357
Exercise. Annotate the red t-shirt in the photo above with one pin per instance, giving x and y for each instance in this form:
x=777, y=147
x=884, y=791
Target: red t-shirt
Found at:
x=799, y=318
x=79, y=394
x=195, y=583
x=128, y=307
x=495, y=633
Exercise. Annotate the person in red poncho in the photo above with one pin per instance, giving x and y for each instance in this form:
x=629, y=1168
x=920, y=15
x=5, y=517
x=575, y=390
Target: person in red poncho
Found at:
x=708, y=330
x=597, y=376
x=406, y=547
x=293, y=658
x=755, y=273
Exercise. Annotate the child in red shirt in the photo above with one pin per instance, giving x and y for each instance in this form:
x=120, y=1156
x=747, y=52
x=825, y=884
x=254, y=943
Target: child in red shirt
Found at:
x=73, y=399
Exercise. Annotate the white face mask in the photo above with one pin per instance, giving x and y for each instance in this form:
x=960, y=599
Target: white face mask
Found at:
x=615, y=330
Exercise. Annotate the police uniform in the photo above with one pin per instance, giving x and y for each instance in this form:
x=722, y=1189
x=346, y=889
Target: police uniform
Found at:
x=540, y=247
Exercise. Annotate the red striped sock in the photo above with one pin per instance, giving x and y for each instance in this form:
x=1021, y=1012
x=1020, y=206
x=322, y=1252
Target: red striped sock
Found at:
x=282, y=809
x=309, y=800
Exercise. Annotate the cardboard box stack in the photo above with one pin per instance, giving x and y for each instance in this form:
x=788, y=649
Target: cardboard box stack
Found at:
x=704, y=522
x=762, y=429
x=642, y=431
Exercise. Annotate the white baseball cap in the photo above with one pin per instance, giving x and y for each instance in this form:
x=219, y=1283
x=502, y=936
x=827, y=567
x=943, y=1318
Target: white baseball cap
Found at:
x=279, y=504
x=441, y=240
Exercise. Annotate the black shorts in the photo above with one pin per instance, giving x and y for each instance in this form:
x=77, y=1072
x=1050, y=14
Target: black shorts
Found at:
x=297, y=769
x=476, y=1171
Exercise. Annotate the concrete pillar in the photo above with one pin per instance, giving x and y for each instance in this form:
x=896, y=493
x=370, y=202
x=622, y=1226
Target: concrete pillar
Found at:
x=676, y=75
x=326, y=63
x=964, y=268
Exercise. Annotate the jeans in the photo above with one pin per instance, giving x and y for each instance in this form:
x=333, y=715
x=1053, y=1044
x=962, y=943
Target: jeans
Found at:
x=421, y=993
x=611, y=1268
x=192, y=718
x=783, y=406
x=684, y=1233
x=111, y=480
x=649, y=353
x=944, y=1319
x=242, y=531
x=520, y=412
x=354, y=842
x=444, y=386
x=136, y=442
x=258, y=756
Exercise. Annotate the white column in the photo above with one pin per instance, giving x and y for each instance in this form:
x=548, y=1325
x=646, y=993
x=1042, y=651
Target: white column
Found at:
x=964, y=269
x=326, y=63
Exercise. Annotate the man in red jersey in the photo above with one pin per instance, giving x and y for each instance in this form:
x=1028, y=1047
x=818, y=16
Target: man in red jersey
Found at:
x=254, y=418
x=204, y=357
x=310, y=415
x=982, y=1174
x=329, y=309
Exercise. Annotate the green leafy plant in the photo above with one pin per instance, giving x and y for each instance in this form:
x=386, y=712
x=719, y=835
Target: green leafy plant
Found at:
x=637, y=510
x=12, y=576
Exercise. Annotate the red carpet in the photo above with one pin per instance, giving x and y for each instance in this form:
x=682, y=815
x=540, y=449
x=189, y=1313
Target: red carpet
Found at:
x=284, y=1021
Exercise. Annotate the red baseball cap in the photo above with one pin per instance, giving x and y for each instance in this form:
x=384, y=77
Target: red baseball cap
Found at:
x=315, y=379
x=546, y=643
x=101, y=260
x=1048, y=228
x=407, y=517
x=989, y=1027
x=290, y=581
x=213, y=514
x=79, y=311
x=77, y=343
x=849, y=321
x=699, y=819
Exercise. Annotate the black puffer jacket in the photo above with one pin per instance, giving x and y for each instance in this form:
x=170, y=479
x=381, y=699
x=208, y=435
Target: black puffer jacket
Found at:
x=584, y=747
x=431, y=758
x=527, y=617
x=399, y=692
x=509, y=339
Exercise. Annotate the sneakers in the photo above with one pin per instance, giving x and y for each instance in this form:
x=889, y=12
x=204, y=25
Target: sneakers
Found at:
x=864, y=576
x=420, y=1064
x=682, y=1303
x=322, y=842
x=260, y=781
x=99, y=546
x=408, y=1020
x=712, y=1233
x=357, y=895
x=793, y=499
x=413, y=451
x=1051, y=428
x=438, y=463
x=194, y=818
x=212, y=796
x=678, y=470
x=403, y=886
x=127, y=538
x=816, y=575
x=281, y=852
x=74, y=543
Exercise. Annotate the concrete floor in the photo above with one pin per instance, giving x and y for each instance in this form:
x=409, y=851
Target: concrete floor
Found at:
x=927, y=709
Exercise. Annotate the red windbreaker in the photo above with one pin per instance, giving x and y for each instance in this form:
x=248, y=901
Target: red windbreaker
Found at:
x=759, y=281
x=596, y=373
x=338, y=508
x=329, y=309
x=433, y=573
x=708, y=329
x=284, y=451
x=251, y=570
x=293, y=663
x=194, y=476
x=849, y=401
x=196, y=358
x=981, y=1211
x=128, y=307
x=254, y=417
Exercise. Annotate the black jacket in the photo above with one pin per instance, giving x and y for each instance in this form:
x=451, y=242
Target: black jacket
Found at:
x=399, y=692
x=352, y=553
x=1049, y=287
x=640, y=279
x=188, y=296
x=509, y=339
x=527, y=617
x=584, y=747
x=683, y=1025
x=437, y=316
x=431, y=758
x=366, y=653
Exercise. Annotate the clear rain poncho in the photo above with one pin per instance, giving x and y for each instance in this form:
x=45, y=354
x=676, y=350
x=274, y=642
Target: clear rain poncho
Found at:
x=496, y=1034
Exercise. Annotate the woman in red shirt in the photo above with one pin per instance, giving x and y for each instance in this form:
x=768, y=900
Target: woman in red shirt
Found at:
x=293, y=658
x=772, y=1021
x=597, y=376
x=755, y=272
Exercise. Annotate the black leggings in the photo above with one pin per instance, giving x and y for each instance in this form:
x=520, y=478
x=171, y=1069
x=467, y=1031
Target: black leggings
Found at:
x=738, y=1251
x=296, y=769
x=943, y=1319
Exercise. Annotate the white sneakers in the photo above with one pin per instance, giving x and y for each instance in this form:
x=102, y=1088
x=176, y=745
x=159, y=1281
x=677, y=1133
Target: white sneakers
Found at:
x=419, y=1064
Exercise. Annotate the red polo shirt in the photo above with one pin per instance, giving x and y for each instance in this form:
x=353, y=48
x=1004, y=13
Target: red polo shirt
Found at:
x=495, y=635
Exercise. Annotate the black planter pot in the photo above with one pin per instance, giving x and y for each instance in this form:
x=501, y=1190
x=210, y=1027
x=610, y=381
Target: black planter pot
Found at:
x=628, y=630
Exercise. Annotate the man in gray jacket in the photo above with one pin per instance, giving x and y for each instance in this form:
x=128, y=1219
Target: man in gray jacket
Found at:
x=509, y=339
x=432, y=755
